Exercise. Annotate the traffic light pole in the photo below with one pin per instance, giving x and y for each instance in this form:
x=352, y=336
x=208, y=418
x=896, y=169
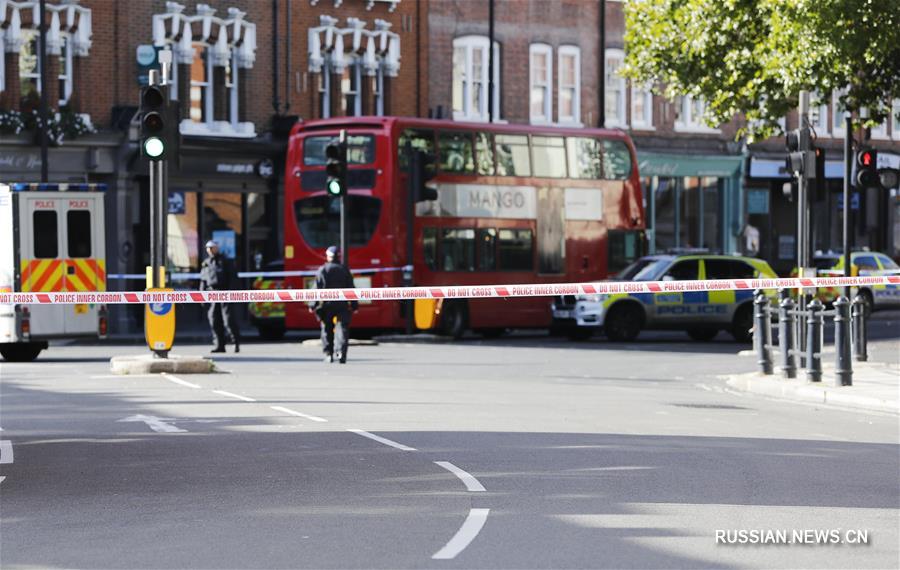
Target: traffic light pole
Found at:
x=848, y=168
x=345, y=253
x=803, y=237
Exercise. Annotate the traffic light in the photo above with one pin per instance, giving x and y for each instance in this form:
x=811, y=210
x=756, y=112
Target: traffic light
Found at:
x=336, y=168
x=800, y=161
x=154, y=116
x=866, y=168
x=820, y=185
x=423, y=170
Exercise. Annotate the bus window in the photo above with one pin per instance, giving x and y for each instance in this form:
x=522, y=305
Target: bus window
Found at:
x=516, y=250
x=616, y=160
x=458, y=250
x=484, y=153
x=487, y=249
x=455, y=152
x=584, y=157
x=512, y=155
x=360, y=149
x=46, y=242
x=319, y=219
x=420, y=139
x=429, y=247
x=624, y=248
x=78, y=228
x=548, y=156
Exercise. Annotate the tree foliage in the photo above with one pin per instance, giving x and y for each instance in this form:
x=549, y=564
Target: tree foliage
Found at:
x=753, y=57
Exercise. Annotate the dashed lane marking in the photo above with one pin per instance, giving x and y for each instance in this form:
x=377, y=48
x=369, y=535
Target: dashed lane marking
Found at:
x=471, y=483
x=383, y=440
x=232, y=395
x=177, y=380
x=298, y=414
x=464, y=536
x=6, y=451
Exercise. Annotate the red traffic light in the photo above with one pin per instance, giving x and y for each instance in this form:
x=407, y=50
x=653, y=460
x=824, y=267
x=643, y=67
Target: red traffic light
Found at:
x=865, y=159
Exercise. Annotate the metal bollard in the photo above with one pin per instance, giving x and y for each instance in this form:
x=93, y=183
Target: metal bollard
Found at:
x=859, y=334
x=814, y=341
x=844, y=364
x=786, y=337
x=761, y=337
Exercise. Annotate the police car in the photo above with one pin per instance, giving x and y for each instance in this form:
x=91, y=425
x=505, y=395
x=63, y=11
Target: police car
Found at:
x=268, y=316
x=701, y=313
x=863, y=263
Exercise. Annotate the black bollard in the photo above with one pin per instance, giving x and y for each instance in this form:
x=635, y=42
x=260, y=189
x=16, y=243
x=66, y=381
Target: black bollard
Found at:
x=843, y=363
x=761, y=332
x=858, y=327
x=786, y=337
x=814, y=341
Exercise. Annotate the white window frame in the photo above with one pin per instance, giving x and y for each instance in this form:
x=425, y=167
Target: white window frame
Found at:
x=547, y=112
x=206, y=87
x=646, y=95
x=575, y=53
x=895, y=122
x=470, y=44
x=837, y=117
x=820, y=126
x=354, y=70
x=686, y=121
x=65, y=70
x=617, y=84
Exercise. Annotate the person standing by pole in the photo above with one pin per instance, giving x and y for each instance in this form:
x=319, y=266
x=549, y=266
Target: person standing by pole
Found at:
x=334, y=316
x=218, y=274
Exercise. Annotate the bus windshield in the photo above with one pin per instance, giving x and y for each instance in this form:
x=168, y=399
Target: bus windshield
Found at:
x=360, y=149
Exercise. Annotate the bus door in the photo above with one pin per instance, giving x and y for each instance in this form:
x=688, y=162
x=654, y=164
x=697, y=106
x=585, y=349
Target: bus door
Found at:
x=41, y=258
x=85, y=267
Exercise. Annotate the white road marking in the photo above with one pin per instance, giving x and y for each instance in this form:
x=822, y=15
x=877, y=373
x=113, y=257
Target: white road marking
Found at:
x=383, y=440
x=468, y=480
x=232, y=395
x=464, y=536
x=155, y=423
x=6, y=451
x=298, y=414
x=102, y=376
x=171, y=378
x=2, y=479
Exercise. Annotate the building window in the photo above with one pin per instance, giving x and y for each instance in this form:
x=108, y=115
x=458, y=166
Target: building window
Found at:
x=689, y=113
x=569, y=85
x=879, y=131
x=615, y=88
x=895, y=119
x=541, y=68
x=818, y=114
x=641, y=108
x=351, y=81
x=68, y=35
x=213, y=50
x=838, y=114
x=470, y=79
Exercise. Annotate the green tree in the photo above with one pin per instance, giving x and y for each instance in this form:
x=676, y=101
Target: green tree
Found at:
x=753, y=57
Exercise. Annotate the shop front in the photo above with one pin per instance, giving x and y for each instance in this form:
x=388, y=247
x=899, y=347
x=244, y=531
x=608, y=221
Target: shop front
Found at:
x=692, y=201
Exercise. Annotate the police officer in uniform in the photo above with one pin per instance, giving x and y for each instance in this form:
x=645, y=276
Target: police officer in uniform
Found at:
x=334, y=316
x=217, y=274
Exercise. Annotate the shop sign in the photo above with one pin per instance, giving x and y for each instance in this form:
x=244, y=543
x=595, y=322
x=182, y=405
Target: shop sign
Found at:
x=147, y=59
x=176, y=202
x=854, y=201
x=757, y=201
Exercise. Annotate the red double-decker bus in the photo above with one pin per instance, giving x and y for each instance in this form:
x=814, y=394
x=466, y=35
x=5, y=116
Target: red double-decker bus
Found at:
x=515, y=204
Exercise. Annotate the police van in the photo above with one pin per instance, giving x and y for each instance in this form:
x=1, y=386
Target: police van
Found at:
x=51, y=240
x=702, y=314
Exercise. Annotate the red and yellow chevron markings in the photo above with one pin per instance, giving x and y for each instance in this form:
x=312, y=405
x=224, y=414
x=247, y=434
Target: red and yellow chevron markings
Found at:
x=57, y=275
x=85, y=275
x=42, y=275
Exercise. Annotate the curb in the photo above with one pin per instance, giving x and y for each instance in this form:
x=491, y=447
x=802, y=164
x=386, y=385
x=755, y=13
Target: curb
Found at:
x=795, y=390
x=148, y=364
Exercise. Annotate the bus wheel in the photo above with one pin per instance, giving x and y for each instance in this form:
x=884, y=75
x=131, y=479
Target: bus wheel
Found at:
x=742, y=323
x=20, y=351
x=271, y=333
x=454, y=319
x=623, y=323
x=702, y=335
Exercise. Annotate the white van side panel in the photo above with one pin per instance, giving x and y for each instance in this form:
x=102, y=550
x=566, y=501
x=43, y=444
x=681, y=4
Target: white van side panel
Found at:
x=7, y=264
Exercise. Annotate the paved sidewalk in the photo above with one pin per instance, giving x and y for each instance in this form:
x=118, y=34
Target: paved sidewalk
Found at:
x=876, y=386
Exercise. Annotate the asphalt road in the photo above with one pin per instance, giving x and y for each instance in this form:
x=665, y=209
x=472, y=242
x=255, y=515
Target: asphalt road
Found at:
x=525, y=452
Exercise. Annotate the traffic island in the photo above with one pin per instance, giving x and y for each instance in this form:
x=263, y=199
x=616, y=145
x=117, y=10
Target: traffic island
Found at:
x=151, y=364
x=874, y=389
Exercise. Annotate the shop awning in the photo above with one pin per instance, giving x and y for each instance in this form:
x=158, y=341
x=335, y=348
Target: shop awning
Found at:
x=660, y=164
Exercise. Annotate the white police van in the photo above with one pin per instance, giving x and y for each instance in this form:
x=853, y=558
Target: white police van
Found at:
x=51, y=240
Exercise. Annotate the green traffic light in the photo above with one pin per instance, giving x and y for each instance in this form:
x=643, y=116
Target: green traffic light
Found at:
x=334, y=187
x=154, y=147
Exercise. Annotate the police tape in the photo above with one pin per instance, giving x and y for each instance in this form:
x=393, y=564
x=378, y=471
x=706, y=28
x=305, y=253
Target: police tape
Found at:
x=438, y=292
